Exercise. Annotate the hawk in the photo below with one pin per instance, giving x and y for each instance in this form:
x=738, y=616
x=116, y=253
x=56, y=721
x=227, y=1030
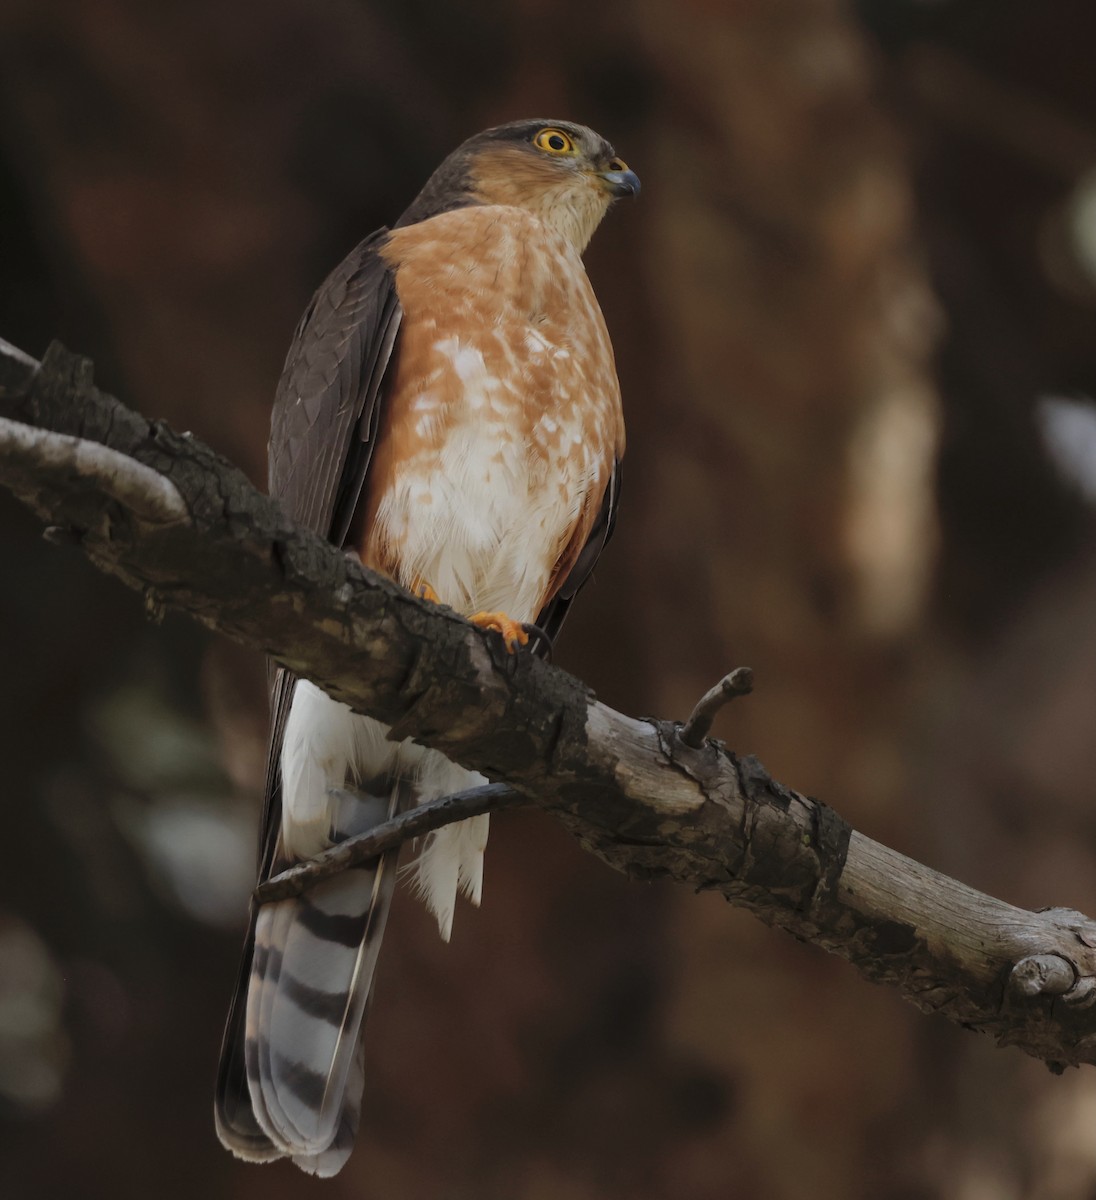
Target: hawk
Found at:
x=449, y=411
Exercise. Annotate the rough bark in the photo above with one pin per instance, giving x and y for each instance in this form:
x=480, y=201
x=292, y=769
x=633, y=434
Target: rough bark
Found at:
x=632, y=791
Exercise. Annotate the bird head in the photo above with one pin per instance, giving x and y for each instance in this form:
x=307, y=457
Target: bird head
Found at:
x=566, y=174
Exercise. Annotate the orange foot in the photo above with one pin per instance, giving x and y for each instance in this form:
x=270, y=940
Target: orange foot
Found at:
x=425, y=592
x=513, y=632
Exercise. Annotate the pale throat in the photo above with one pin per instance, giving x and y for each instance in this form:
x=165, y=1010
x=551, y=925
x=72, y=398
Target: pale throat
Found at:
x=572, y=206
x=574, y=212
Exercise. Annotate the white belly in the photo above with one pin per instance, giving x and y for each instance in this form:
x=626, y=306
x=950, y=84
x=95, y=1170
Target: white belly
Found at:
x=484, y=517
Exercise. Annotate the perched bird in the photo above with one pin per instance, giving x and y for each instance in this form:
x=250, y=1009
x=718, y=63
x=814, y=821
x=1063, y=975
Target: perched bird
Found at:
x=449, y=411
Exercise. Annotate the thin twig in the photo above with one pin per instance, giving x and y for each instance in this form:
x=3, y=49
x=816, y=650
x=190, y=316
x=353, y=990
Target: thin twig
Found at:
x=392, y=833
x=738, y=683
x=16, y=368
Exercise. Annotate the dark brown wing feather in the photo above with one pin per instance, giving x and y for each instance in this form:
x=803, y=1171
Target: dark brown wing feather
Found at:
x=322, y=433
x=323, y=427
x=554, y=613
x=325, y=408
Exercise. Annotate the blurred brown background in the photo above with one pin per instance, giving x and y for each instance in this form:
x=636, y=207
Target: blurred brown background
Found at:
x=864, y=259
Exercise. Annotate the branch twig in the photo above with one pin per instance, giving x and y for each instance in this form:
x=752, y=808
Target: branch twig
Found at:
x=738, y=683
x=387, y=836
x=149, y=495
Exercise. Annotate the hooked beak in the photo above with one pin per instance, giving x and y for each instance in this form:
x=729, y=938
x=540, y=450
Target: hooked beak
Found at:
x=620, y=183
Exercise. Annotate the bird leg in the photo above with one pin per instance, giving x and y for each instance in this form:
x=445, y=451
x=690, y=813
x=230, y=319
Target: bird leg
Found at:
x=425, y=592
x=513, y=632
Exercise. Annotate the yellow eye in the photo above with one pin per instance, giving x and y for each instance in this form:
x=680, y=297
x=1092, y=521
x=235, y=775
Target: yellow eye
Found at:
x=554, y=141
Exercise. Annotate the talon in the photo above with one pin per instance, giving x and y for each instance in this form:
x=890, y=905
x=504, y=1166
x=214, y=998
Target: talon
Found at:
x=425, y=592
x=535, y=631
x=513, y=632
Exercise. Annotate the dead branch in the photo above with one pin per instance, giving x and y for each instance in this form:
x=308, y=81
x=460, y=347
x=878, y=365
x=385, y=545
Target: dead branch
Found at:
x=387, y=836
x=738, y=683
x=42, y=456
x=633, y=792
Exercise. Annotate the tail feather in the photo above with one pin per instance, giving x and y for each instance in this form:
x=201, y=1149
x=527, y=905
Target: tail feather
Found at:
x=330, y=1161
x=291, y=1074
x=313, y=970
x=451, y=861
x=472, y=847
x=233, y=1112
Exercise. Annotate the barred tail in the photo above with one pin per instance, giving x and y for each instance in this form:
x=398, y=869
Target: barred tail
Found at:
x=290, y=1082
x=311, y=977
x=291, y=1075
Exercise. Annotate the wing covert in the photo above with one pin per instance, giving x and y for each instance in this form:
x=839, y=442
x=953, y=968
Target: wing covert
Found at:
x=326, y=405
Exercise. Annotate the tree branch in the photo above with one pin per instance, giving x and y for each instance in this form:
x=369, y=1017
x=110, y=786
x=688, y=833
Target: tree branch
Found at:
x=738, y=683
x=633, y=792
x=41, y=457
x=387, y=836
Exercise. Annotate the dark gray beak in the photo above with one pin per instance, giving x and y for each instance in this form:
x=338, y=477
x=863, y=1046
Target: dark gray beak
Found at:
x=621, y=183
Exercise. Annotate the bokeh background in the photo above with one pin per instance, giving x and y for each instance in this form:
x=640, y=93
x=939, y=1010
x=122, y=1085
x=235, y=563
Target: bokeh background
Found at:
x=855, y=318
